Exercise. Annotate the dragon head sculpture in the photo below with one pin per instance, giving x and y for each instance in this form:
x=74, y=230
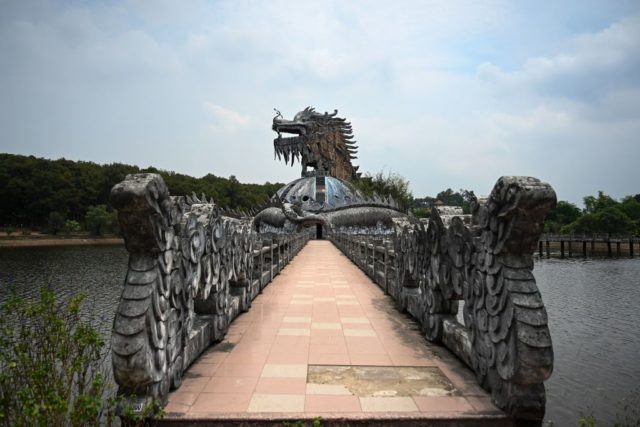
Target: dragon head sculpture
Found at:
x=321, y=142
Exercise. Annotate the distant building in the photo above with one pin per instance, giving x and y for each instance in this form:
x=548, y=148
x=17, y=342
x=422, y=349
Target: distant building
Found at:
x=447, y=213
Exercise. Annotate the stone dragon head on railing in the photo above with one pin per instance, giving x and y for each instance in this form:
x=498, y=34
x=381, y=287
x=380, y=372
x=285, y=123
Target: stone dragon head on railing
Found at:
x=322, y=142
x=504, y=337
x=191, y=271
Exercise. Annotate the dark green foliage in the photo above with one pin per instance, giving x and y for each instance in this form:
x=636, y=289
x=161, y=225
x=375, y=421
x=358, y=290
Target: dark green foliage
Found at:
x=610, y=220
x=316, y=422
x=100, y=220
x=421, y=212
x=563, y=214
x=450, y=198
x=391, y=184
x=594, y=204
x=50, y=364
x=423, y=202
x=55, y=222
x=71, y=226
x=31, y=188
x=631, y=207
x=602, y=215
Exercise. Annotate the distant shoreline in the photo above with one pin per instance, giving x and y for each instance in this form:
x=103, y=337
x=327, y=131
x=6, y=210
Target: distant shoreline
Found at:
x=26, y=242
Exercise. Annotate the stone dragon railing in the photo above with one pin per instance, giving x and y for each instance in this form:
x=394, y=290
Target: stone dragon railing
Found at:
x=191, y=271
x=504, y=338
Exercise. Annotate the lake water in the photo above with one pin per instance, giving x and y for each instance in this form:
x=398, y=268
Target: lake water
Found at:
x=593, y=309
x=594, y=318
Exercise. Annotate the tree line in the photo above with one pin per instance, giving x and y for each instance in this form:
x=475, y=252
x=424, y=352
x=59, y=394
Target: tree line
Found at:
x=64, y=195
x=39, y=193
x=602, y=214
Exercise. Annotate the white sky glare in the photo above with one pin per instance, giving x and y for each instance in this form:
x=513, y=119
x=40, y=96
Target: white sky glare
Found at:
x=449, y=94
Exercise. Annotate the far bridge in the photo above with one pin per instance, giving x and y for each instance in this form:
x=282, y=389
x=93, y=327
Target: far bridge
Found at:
x=594, y=245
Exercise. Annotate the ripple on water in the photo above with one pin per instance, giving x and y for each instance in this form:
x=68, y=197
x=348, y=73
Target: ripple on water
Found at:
x=96, y=271
x=593, y=318
x=592, y=307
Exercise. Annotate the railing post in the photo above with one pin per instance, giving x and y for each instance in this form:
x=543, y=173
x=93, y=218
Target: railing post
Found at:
x=373, y=260
x=271, y=260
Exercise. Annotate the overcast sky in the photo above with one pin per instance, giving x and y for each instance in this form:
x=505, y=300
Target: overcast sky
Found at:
x=446, y=93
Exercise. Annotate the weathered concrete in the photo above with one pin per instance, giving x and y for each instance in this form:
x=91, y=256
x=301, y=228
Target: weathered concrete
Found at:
x=321, y=311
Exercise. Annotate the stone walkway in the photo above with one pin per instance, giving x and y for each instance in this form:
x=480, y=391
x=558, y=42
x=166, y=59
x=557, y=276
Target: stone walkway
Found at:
x=322, y=340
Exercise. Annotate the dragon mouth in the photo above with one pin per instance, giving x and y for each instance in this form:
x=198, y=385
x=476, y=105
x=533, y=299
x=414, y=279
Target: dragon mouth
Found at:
x=296, y=132
x=291, y=127
x=290, y=148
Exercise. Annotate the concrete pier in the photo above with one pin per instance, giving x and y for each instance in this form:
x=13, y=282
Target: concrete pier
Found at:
x=323, y=341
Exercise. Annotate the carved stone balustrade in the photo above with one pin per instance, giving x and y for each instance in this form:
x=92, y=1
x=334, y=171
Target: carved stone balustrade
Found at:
x=191, y=271
x=488, y=266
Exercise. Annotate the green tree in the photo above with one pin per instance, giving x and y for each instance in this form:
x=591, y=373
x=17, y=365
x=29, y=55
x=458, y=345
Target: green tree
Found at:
x=55, y=222
x=468, y=196
x=31, y=188
x=391, y=184
x=421, y=212
x=71, y=226
x=450, y=198
x=98, y=219
x=594, y=204
x=609, y=220
x=562, y=215
x=631, y=207
x=50, y=364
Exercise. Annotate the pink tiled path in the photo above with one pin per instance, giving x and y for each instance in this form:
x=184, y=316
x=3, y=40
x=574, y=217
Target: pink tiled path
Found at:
x=321, y=310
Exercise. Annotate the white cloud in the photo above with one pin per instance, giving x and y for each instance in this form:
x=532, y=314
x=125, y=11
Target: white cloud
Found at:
x=590, y=65
x=225, y=119
x=139, y=78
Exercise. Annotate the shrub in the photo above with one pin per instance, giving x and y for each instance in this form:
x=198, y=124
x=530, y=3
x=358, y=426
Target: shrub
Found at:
x=55, y=222
x=391, y=184
x=71, y=226
x=421, y=212
x=99, y=219
x=50, y=364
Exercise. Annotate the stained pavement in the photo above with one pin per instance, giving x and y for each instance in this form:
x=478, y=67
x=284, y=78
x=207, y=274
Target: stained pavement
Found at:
x=322, y=340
